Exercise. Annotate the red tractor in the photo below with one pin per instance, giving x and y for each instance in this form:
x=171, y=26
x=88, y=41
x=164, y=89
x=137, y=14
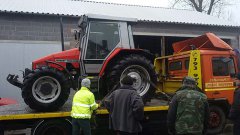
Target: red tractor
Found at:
x=106, y=52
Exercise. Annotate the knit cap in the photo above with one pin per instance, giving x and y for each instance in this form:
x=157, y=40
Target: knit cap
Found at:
x=127, y=80
x=189, y=81
x=86, y=83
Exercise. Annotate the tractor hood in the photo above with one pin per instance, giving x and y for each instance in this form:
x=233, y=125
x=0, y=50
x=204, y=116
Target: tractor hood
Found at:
x=209, y=41
x=68, y=56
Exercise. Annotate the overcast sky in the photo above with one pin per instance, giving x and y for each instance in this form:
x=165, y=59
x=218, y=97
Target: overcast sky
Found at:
x=231, y=13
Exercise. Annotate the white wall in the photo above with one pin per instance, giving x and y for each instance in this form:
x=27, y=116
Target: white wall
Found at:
x=18, y=55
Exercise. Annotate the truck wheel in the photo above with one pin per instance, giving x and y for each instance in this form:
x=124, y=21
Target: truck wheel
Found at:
x=217, y=120
x=45, y=89
x=138, y=67
x=52, y=127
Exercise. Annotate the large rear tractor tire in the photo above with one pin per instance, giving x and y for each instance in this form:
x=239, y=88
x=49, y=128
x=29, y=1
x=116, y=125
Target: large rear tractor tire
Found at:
x=138, y=67
x=217, y=120
x=45, y=89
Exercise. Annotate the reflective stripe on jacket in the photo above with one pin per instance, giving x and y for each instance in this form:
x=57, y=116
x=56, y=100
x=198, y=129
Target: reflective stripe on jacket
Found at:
x=83, y=104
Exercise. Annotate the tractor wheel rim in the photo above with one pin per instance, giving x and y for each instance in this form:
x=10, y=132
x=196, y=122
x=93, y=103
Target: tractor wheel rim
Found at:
x=140, y=74
x=52, y=93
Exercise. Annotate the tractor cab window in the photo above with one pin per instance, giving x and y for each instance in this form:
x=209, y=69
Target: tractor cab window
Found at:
x=223, y=66
x=102, y=39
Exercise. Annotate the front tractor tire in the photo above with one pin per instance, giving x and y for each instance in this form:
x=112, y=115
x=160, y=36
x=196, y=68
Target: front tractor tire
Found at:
x=45, y=89
x=138, y=67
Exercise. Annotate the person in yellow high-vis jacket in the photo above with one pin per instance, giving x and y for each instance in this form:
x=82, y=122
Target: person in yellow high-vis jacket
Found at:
x=82, y=107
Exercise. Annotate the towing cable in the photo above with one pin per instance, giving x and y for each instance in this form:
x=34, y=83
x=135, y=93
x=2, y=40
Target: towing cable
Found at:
x=160, y=91
x=149, y=81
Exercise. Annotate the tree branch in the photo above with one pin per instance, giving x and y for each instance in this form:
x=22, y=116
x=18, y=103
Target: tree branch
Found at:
x=200, y=2
x=206, y=6
x=210, y=7
x=195, y=5
x=175, y=2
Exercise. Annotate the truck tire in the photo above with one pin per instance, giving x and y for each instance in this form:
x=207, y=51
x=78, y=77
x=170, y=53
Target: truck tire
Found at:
x=140, y=68
x=52, y=127
x=45, y=89
x=217, y=120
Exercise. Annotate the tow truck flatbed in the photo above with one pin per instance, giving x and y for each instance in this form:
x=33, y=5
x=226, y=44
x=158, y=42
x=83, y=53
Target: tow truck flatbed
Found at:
x=22, y=111
x=12, y=117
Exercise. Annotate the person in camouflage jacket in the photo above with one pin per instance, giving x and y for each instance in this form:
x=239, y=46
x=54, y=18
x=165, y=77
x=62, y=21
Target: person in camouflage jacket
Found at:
x=188, y=111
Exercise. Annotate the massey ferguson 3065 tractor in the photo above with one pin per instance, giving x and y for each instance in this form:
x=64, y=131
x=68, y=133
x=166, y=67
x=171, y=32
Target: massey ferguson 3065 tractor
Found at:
x=106, y=52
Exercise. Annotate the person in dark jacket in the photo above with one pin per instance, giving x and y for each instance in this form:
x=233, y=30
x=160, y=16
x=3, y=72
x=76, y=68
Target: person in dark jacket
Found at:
x=234, y=114
x=188, y=111
x=83, y=106
x=126, y=108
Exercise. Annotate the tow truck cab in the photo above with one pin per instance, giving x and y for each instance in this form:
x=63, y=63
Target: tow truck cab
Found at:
x=216, y=65
x=218, y=62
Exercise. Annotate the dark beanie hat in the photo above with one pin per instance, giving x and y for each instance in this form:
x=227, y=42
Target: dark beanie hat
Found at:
x=189, y=81
x=127, y=80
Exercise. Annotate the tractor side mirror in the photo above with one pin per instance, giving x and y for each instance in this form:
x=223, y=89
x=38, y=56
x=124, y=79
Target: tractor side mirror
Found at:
x=76, y=33
x=82, y=23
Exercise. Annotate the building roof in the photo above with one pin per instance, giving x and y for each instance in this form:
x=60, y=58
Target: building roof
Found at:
x=141, y=13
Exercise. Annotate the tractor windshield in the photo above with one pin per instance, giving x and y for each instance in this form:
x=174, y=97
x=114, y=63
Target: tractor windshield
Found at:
x=102, y=39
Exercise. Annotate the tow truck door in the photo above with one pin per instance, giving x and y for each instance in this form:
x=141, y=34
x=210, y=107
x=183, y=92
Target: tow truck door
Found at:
x=219, y=82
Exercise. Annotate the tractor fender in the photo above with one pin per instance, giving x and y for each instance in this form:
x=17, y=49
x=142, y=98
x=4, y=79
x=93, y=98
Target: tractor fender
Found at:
x=64, y=69
x=117, y=53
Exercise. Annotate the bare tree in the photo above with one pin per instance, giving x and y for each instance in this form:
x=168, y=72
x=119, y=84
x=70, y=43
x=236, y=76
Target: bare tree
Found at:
x=206, y=6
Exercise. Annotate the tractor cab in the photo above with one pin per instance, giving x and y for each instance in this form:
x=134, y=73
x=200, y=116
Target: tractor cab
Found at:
x=98, y=37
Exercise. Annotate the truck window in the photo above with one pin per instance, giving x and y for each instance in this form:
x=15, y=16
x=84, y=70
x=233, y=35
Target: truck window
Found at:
x=223, y=66
x=102, y=39
x=186, y=64
x=176, y=65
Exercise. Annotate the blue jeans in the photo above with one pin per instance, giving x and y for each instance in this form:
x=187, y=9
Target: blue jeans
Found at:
x=83, y=124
